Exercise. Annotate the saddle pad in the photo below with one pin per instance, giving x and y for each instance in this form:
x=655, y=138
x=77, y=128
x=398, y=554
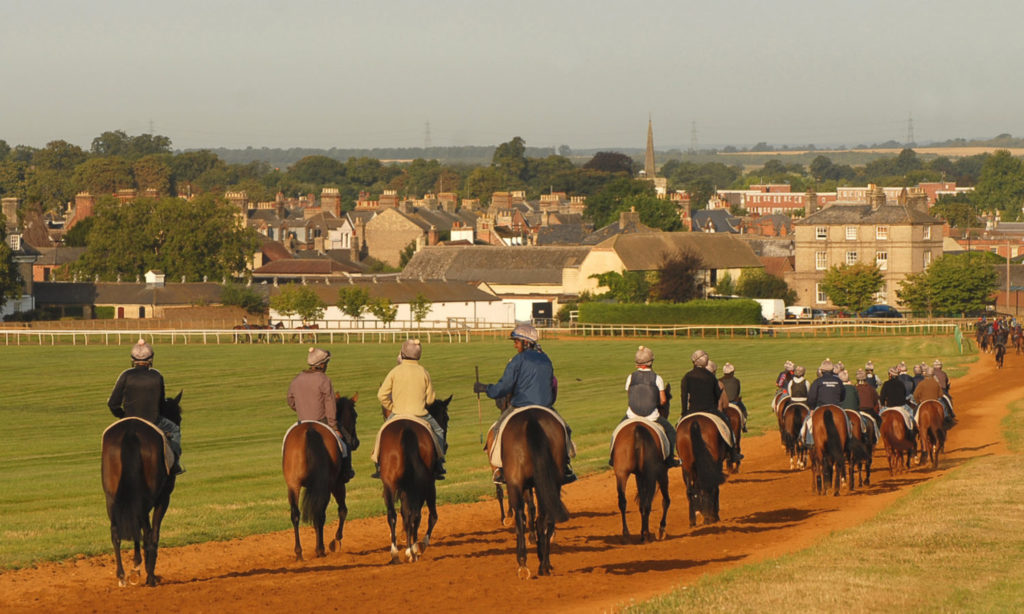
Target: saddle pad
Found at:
x=168, y=453
x=416, y=419
x=723, y=428
x=794, y=404
x=908, y=418
x=780, y=396
x=866, y=418
x=743, y=419
x=495, y=453
x=651, y=425
x=341, y=444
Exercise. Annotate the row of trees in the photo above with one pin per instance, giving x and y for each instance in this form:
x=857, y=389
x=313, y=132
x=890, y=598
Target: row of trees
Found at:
x=353, y=301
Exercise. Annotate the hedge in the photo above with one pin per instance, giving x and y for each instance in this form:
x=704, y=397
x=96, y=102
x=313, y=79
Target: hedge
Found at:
x=736, y=312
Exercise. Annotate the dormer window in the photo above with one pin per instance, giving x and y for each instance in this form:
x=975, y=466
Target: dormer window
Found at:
x=821, y=233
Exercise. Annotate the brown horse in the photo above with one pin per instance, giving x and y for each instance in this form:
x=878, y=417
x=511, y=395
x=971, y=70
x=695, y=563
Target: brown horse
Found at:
x=312, y=463
x=828, y=454
x=931, y=431
x=779, y=403
x=702, y=451
x=408, y=457
x=1000, y=354
x=505, y=515
x=860, y=447
x=736, y=426
x=1018, y=340
x=636, y=452
x=898, y=440
x=533, y=455
x=793, y=416
x=136, y=481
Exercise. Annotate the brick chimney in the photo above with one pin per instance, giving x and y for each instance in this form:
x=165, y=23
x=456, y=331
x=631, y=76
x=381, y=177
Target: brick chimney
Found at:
x=432, y=235
x=875, y=196
x=9, y=205
x=330, y=200
x=810, y=202
x=627, y=218
x=84, y=206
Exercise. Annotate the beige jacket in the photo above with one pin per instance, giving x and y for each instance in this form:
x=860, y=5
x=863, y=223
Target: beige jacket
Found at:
x=406, y=390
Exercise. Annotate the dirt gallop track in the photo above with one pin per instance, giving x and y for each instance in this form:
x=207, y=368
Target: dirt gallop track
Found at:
x=767, y=510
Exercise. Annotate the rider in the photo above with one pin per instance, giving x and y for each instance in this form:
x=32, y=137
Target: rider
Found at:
x=826, y=390
x=928, y=389
x=867, y=395
x=893, y=392
x=797, y=387
x=406, y=391
x=851, y=399
x=905, y=379
x=529, y=379
x=943, y=379
x=869, y=372
x=918, y=377
x=731, y=386
x=139, y=393
x=782, y=381
x=311, y=397
x=646, y=392
x=700, y=392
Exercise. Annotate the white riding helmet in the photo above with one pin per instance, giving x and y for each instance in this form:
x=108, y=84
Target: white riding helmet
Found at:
x=142, y=351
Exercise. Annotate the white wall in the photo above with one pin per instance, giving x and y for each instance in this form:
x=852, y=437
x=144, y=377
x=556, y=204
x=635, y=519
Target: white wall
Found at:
x=472, y=312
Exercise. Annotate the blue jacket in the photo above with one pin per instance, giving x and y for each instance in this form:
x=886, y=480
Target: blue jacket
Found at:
x=529, y=378
x=826, y=390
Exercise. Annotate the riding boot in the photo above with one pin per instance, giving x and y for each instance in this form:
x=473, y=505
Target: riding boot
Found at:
x=177, y=469
x=346, y=468
x=376, y=471
x=672, y=461
x=499, y=476
x=570, y=476
x=734, y=455
x=439, y=471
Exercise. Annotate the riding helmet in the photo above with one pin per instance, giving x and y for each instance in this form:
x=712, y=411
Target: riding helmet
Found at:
x=142, y=351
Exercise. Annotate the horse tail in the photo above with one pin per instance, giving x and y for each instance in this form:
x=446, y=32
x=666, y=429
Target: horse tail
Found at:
x=858, y=451
x=416, y=473
x=788, y=434
x=546, y=476
x=318, y=484
x=133, y=499
x=707, y=471
x=832, y=447
x=648, y=461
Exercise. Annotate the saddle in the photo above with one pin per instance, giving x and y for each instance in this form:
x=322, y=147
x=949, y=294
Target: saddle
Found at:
x=168, y=453
x=495, y=451
x=780, y=397
x=807, y=433
x=416, y=420
x=654, y=427
x=868, y=421
x=908, y=418
x=341, y=444
x=723, y=428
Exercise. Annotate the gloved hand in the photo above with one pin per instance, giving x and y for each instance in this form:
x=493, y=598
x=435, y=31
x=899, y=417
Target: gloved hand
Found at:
x=479, y=387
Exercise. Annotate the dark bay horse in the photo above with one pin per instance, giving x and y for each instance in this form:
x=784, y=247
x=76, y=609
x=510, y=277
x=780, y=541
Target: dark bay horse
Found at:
x=702, y=451
x=312, y=464
x=407, y=457
x=793, y=416
x=136, y=480
x=637, y=452
x=931, y=432
x=1000, y=354
x=898, y=440
x=533, y=456
x=860, y=447
x=828, y=454
x=736, y=426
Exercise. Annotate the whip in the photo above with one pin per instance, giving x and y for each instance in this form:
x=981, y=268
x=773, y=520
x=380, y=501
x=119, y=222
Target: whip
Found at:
x=479, y=411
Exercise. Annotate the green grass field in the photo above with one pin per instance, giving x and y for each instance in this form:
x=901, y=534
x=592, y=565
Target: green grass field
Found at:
x=53, y=410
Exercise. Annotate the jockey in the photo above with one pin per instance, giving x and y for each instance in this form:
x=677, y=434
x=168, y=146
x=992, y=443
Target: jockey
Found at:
x=928, y=389
x=893, y=393
x=905, y=379
x=918, y=374
x=828, y=389
x=869, y=372
x=798, y=385
x=139, y=393
x=406, y=391
x=867, y=395
x=782, y=381
x=529, y=379
x=943, y=380
x=731, y=386
x=700, y=392
x=646, y=392
x=311, y=397
x=851, y=399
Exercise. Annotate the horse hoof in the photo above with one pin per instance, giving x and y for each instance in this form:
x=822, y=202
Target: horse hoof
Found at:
x=135, y=576
x=335, y=544
x=506, y=521
x=121, y=582
x=523, y=573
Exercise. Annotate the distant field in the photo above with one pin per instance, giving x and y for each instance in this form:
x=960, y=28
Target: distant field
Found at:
x=949, y=152
x=53, y=408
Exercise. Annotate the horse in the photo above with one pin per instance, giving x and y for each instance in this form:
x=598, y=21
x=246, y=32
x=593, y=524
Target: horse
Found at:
x=1018, y=340
x=828, y=454
x=736, y=426
x=137, y=480
x=779, y=403
x=407, y=457
x=931, y=431
x=702, y=451
x=793, y=417
x=533, y=455
x=311, y=460
x=636, y=451
x=1000, y=354
x=506, y=515
x=898, y=441
x=860, y=447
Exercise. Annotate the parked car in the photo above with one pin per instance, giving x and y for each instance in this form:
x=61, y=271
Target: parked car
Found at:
x=881, y=311
x=818, y=314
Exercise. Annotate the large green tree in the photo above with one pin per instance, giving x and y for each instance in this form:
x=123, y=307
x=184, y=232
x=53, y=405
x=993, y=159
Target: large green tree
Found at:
x=624, y=193
x=102, y=176
x=353, y=301
x=954, y=284
x=510, y=157
x=627, y=287
x=853, y=286
x=1001, y=185
x=300, y=300
x=756, y=283
x=680, y=277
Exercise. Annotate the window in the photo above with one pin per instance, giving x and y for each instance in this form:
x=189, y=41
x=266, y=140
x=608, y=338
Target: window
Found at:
x=882, y=261
x=820, y=260
x=882, y=233
x=851, y=258
x=927, y=259
x=851, y=233
x=926, y=233
x=819, y=295
x=14, y=241
x=821, y=232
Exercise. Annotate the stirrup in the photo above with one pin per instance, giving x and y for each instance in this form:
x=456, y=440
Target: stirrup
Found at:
x=177, y=469
x=673, y=462
x=569, y=476
x=376, y=473
x=498, y=477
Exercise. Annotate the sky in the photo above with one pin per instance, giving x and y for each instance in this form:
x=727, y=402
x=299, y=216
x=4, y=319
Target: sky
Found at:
x=587, y=74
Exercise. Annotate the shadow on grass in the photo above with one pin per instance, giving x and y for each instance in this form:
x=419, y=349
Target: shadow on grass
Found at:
x=645, y=565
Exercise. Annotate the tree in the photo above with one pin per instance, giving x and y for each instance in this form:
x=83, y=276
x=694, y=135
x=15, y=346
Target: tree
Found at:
x=420, y=307
x=299, y=300
x=726, y=286
x=242, y=296
x=484, y=181
x=957, y=210
x=604, y=206
x=153, y=172
x=510, y=158
x=756, y=283
x=627, y=287
x=1001, y=185
x=680, y=277
x=103, y=175
x=319, y=171
x=407, y=253
x=610, y=162
x=852, y=286
x=954, y=284
x=383, y=310
x=59, y=156
x=352, y=301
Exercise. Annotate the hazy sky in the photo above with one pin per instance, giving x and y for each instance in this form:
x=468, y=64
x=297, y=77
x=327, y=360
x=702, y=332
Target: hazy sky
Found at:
x=349, y=73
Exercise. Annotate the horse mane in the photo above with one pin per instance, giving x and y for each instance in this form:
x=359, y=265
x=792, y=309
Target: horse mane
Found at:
x=648, y=456
x=438, y=410
x=171, y=408
x=344, y=405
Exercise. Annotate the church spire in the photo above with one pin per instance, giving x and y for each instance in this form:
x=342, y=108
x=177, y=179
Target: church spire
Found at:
x=649, y=157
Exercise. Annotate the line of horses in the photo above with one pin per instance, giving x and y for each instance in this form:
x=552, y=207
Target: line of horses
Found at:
x=244, y=333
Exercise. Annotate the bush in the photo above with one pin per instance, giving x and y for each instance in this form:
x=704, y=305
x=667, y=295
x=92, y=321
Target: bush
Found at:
x=736, y=312
x=105, y=312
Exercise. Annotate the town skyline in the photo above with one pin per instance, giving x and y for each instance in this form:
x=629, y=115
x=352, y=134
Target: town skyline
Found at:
x=402, y=74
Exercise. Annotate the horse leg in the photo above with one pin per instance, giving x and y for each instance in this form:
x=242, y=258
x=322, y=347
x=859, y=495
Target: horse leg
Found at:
x=293, y=504
x=691, y=495
x=389, y=502
x=431, y=519
x=115, y=539
x=339, y=498
x=620, y=488
x=665, y=501
x=531, y=515
x=411, y=515
x=545, y=530
x=515, y=498
x=500, y=494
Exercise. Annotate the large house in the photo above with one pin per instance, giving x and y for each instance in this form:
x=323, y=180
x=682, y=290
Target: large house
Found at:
x=898, y=237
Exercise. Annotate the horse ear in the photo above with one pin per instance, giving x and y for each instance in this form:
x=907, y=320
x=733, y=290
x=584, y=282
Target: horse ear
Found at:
x=177, y=399
x=355, y=397
x=448, y=400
